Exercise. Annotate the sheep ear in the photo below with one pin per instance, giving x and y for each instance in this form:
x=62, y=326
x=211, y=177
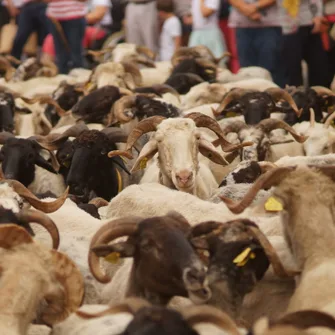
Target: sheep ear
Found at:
x=40, y=161
x=147, y=152
x=112, y=251
x=200, y=243
x=119, y=161
x=208, y=150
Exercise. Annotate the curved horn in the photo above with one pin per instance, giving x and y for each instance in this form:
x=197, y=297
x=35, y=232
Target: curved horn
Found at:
x=270, y=252
x=224, y=55
x=142, y=60
x=146, y=51
x=265, y=181
x=329, y=120
x=206, y=63
x=4, y=136
x=130, y=305
x=125, y=91
x=30, y=216
x=320, y=90
x=119, y=107
x=99, y=202
x=143, y=127
x=116, y=135
x=234, y=94
x=7, y=67
x=46, y=207
x=278, y=94
x=164, y=88
x=312, y=118
x=71, y=296
x=45, y=99
x=268, y=125
x=52, y=142
x=134, y=71
x=306, y=319
x=202, y=120
x=208, y=314
x=107, y=233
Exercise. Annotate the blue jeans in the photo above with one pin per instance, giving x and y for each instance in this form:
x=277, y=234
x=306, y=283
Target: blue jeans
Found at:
x=261, y=47
x=32, y=18
x=74, y=31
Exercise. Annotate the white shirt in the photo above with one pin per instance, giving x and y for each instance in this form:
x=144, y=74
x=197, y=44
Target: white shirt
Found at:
x=171, y=29
x=107, y=19
x=199, y=21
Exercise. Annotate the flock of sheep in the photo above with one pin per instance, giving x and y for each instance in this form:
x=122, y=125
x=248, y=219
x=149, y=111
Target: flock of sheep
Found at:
x=170, y=198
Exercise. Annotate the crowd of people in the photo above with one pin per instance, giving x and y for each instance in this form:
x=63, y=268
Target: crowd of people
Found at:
x=274, y=34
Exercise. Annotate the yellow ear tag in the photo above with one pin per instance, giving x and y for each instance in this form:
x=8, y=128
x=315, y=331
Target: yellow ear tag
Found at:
x=143, y=163
x=242, y=258
x=273, y=205
x=231, y=114
x=113, y=257
x=66, y=164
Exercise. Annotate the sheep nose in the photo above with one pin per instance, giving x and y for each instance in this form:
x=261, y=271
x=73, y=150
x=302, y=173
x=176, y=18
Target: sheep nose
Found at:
x=184, y=176
x=194, y=278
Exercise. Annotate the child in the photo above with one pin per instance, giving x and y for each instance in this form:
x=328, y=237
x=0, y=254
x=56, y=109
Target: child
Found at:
x=206, y=29
x=170, y=38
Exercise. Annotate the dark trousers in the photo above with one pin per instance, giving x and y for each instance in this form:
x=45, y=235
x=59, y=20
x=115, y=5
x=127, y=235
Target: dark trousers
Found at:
x=74, y=31
x=4, y=16
x=260, y=47
x=304, y=45
x=32, y=18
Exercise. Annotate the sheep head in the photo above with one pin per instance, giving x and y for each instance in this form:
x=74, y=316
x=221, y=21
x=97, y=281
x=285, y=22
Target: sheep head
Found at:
x=165, y=263
x=48, y=276
x=125, y=75
x=178, y=142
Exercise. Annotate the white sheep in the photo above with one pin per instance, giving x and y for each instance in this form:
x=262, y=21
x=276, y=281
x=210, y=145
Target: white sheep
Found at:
x=245, y=73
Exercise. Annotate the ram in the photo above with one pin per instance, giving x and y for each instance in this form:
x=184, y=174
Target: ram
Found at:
x=134, y=316
x=306, y=196
x=20, y=160
x=47, y=275
x=87, y=169
x=254, y=105
x=178, y=142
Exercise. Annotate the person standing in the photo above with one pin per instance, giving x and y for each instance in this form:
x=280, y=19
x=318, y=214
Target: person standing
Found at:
x=67, y=27
x=302, y=24
x=258, y=34
x=32, y=18
x=142, y=27
x=206, y=29
x=170, y=39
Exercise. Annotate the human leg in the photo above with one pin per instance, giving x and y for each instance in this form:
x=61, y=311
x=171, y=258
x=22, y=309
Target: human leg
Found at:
x=150, y=30
x=245, y=48
x=74, y=31
x=133, y=32
x=25, y=28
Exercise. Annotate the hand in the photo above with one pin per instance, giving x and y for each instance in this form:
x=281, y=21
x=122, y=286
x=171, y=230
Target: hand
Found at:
x=320, y=25
x=256, y=16
x=248, y=9
x=13, y=11
x=187, y=19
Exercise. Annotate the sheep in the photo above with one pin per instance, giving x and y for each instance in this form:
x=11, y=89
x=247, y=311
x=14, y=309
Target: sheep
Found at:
x=250, y=72
x=131, y=109
x=87, y=169
x=259, y=136
x=125, y=75
x=261, y=84
x=97, y=105
x=320, y=99
x=306, y=160
x=253, y=104
x=135, y=315
x=164, y=262
x=19, y=159
x=197, y=52
x=294, y=187
x=321, y=138
x=47, y=274
x=189, y=174
x=7, y=109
